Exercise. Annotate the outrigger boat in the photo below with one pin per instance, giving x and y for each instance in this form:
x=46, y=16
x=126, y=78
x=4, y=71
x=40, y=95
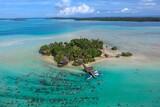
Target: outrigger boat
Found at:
x=96, y=73
x=92, y=73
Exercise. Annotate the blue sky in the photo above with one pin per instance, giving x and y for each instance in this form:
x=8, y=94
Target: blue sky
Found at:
x=78, y=8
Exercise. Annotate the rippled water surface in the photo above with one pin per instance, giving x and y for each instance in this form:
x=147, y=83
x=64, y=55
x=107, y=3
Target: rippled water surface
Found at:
x=28, y=81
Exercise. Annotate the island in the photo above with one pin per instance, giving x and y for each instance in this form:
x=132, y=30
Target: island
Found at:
x=130, y=19
x=79, y=51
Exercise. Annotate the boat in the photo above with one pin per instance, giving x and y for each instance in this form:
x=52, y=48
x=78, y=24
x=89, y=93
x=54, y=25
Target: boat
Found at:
x=92, y=73
x=96, y=73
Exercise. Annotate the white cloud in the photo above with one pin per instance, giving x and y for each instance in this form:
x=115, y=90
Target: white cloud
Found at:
x=148, y=2
x=66, y=8
x=81, y=9
x=124, y=10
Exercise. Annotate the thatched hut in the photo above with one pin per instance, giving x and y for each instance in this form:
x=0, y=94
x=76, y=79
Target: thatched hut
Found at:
x=63, y=62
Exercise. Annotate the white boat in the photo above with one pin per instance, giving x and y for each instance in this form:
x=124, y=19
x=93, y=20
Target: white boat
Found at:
x=96, y=73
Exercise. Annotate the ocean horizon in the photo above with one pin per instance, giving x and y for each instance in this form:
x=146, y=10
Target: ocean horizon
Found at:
x=26, y=80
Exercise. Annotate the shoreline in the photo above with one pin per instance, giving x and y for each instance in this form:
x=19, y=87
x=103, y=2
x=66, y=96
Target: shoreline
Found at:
x=138, y=57
x=112, y=55
x=128, y=19
x=135, y=59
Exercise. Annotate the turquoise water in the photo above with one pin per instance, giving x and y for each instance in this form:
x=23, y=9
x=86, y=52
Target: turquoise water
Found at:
x=28, y=81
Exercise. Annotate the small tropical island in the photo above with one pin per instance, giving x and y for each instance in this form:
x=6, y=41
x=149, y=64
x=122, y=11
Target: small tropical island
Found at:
x=79, y=51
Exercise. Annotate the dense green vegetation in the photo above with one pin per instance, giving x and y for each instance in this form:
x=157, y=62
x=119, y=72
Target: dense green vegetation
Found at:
x=114, y=48
x=135, y=19
x=126, y=54
x=77, y=50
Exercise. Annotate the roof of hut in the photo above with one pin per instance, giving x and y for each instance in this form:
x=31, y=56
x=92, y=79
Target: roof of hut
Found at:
x=65, y=60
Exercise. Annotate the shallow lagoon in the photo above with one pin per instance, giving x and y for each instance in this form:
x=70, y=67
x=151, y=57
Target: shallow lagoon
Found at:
x=27, y=81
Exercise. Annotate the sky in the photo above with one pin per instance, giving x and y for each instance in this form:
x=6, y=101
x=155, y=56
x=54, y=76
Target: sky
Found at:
x=78, y=8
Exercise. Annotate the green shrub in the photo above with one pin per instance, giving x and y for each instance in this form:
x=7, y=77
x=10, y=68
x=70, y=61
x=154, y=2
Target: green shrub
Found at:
x=114, y=48
x=126, y=54
x=45, y=50
x=59, y=57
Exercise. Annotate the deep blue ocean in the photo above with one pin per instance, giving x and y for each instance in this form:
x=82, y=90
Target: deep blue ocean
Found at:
x=39, y=27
